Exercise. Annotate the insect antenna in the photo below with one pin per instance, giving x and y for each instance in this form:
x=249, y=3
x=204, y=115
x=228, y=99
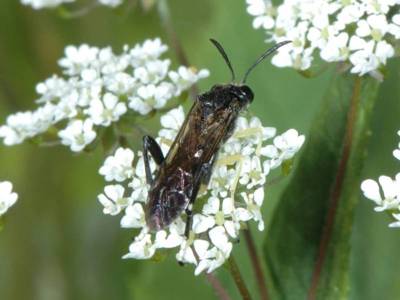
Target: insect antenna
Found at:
x=263, y=56
x=223, y=53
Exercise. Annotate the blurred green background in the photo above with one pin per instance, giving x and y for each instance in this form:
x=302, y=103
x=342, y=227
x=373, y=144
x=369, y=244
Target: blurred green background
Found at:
x=58, y=245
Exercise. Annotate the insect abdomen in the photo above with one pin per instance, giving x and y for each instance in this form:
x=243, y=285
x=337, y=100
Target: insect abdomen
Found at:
x=167, y=200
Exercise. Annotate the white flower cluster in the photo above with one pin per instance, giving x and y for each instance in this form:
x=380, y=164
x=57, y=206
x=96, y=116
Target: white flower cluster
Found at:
x=100, y=87
x=359, y=32
x=233, y=196
x=386, y=194
x=7, y=197
x=40, y=4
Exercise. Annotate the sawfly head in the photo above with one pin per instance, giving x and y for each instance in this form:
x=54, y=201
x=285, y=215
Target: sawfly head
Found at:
x=233, y=96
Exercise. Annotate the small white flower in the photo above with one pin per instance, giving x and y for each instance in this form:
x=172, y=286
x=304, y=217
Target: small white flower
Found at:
x=106, y=111
x=173, y=119
x=397, y=223
x=39, y=4
x=23, y=125
x=251, y=132
x=213, y=259
x=10, y=136
x=78, y=134
x=396, y=152
x=7, y=197
x=322, y=32
x=134, y=216
x=87, y=92
x=394, y=27
x=142, y=247
x=67, y=108
x=138, y=184
x=295, y=54
x=219, y=238
x=171, y=122
x=78, y=59
x=368, y=55
x=252, y=173
x=263, y=12
x=375, y=26
x=149, y=50
x=120, y=83
x=284, y=148
x=111, y=3
x=253, y=207
x=150, y=97
x=171, y=240
x=113, y=199
x=152, y=72
x=185, y=77
x=363, y=58
x=289, y=143
x=336, y=48
x=52, y=88
x=385, y=194
x=118, y=167
x=189, y=250
x=222, y=179
x=217, y=215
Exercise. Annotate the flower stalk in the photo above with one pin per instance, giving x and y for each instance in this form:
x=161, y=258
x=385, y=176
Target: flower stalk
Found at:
x=256, y=264
x=217, y=286
x=238, y=278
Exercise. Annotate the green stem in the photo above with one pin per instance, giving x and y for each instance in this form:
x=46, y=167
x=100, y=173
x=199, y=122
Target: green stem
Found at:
x=256, y=263
x=337, y=189
x=215, y=283
x=237, y=277
x=166, y=21
x=217, y=286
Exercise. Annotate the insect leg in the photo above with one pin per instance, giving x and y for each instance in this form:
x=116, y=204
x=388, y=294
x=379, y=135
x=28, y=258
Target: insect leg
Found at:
x=204, y=173
x=150, y=145
x=207, y=176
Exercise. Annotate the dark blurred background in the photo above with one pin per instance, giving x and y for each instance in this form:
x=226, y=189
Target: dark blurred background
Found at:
x=58, y=245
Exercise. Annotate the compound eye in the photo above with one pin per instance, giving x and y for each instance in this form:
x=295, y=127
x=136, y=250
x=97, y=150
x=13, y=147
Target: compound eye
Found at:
x=247, y=93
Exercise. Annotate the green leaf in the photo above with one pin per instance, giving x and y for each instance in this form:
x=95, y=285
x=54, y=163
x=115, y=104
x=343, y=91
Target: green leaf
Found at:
x=308, y=244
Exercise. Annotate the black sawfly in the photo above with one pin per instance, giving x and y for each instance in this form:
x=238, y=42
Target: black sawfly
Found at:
x=189, y=162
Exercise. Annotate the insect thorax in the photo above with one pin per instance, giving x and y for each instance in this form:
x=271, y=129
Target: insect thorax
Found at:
x=228, y=96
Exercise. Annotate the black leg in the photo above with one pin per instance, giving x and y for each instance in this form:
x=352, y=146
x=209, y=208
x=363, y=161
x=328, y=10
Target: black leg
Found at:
x=150, y=145
x=189, y=219
x=203, y=174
